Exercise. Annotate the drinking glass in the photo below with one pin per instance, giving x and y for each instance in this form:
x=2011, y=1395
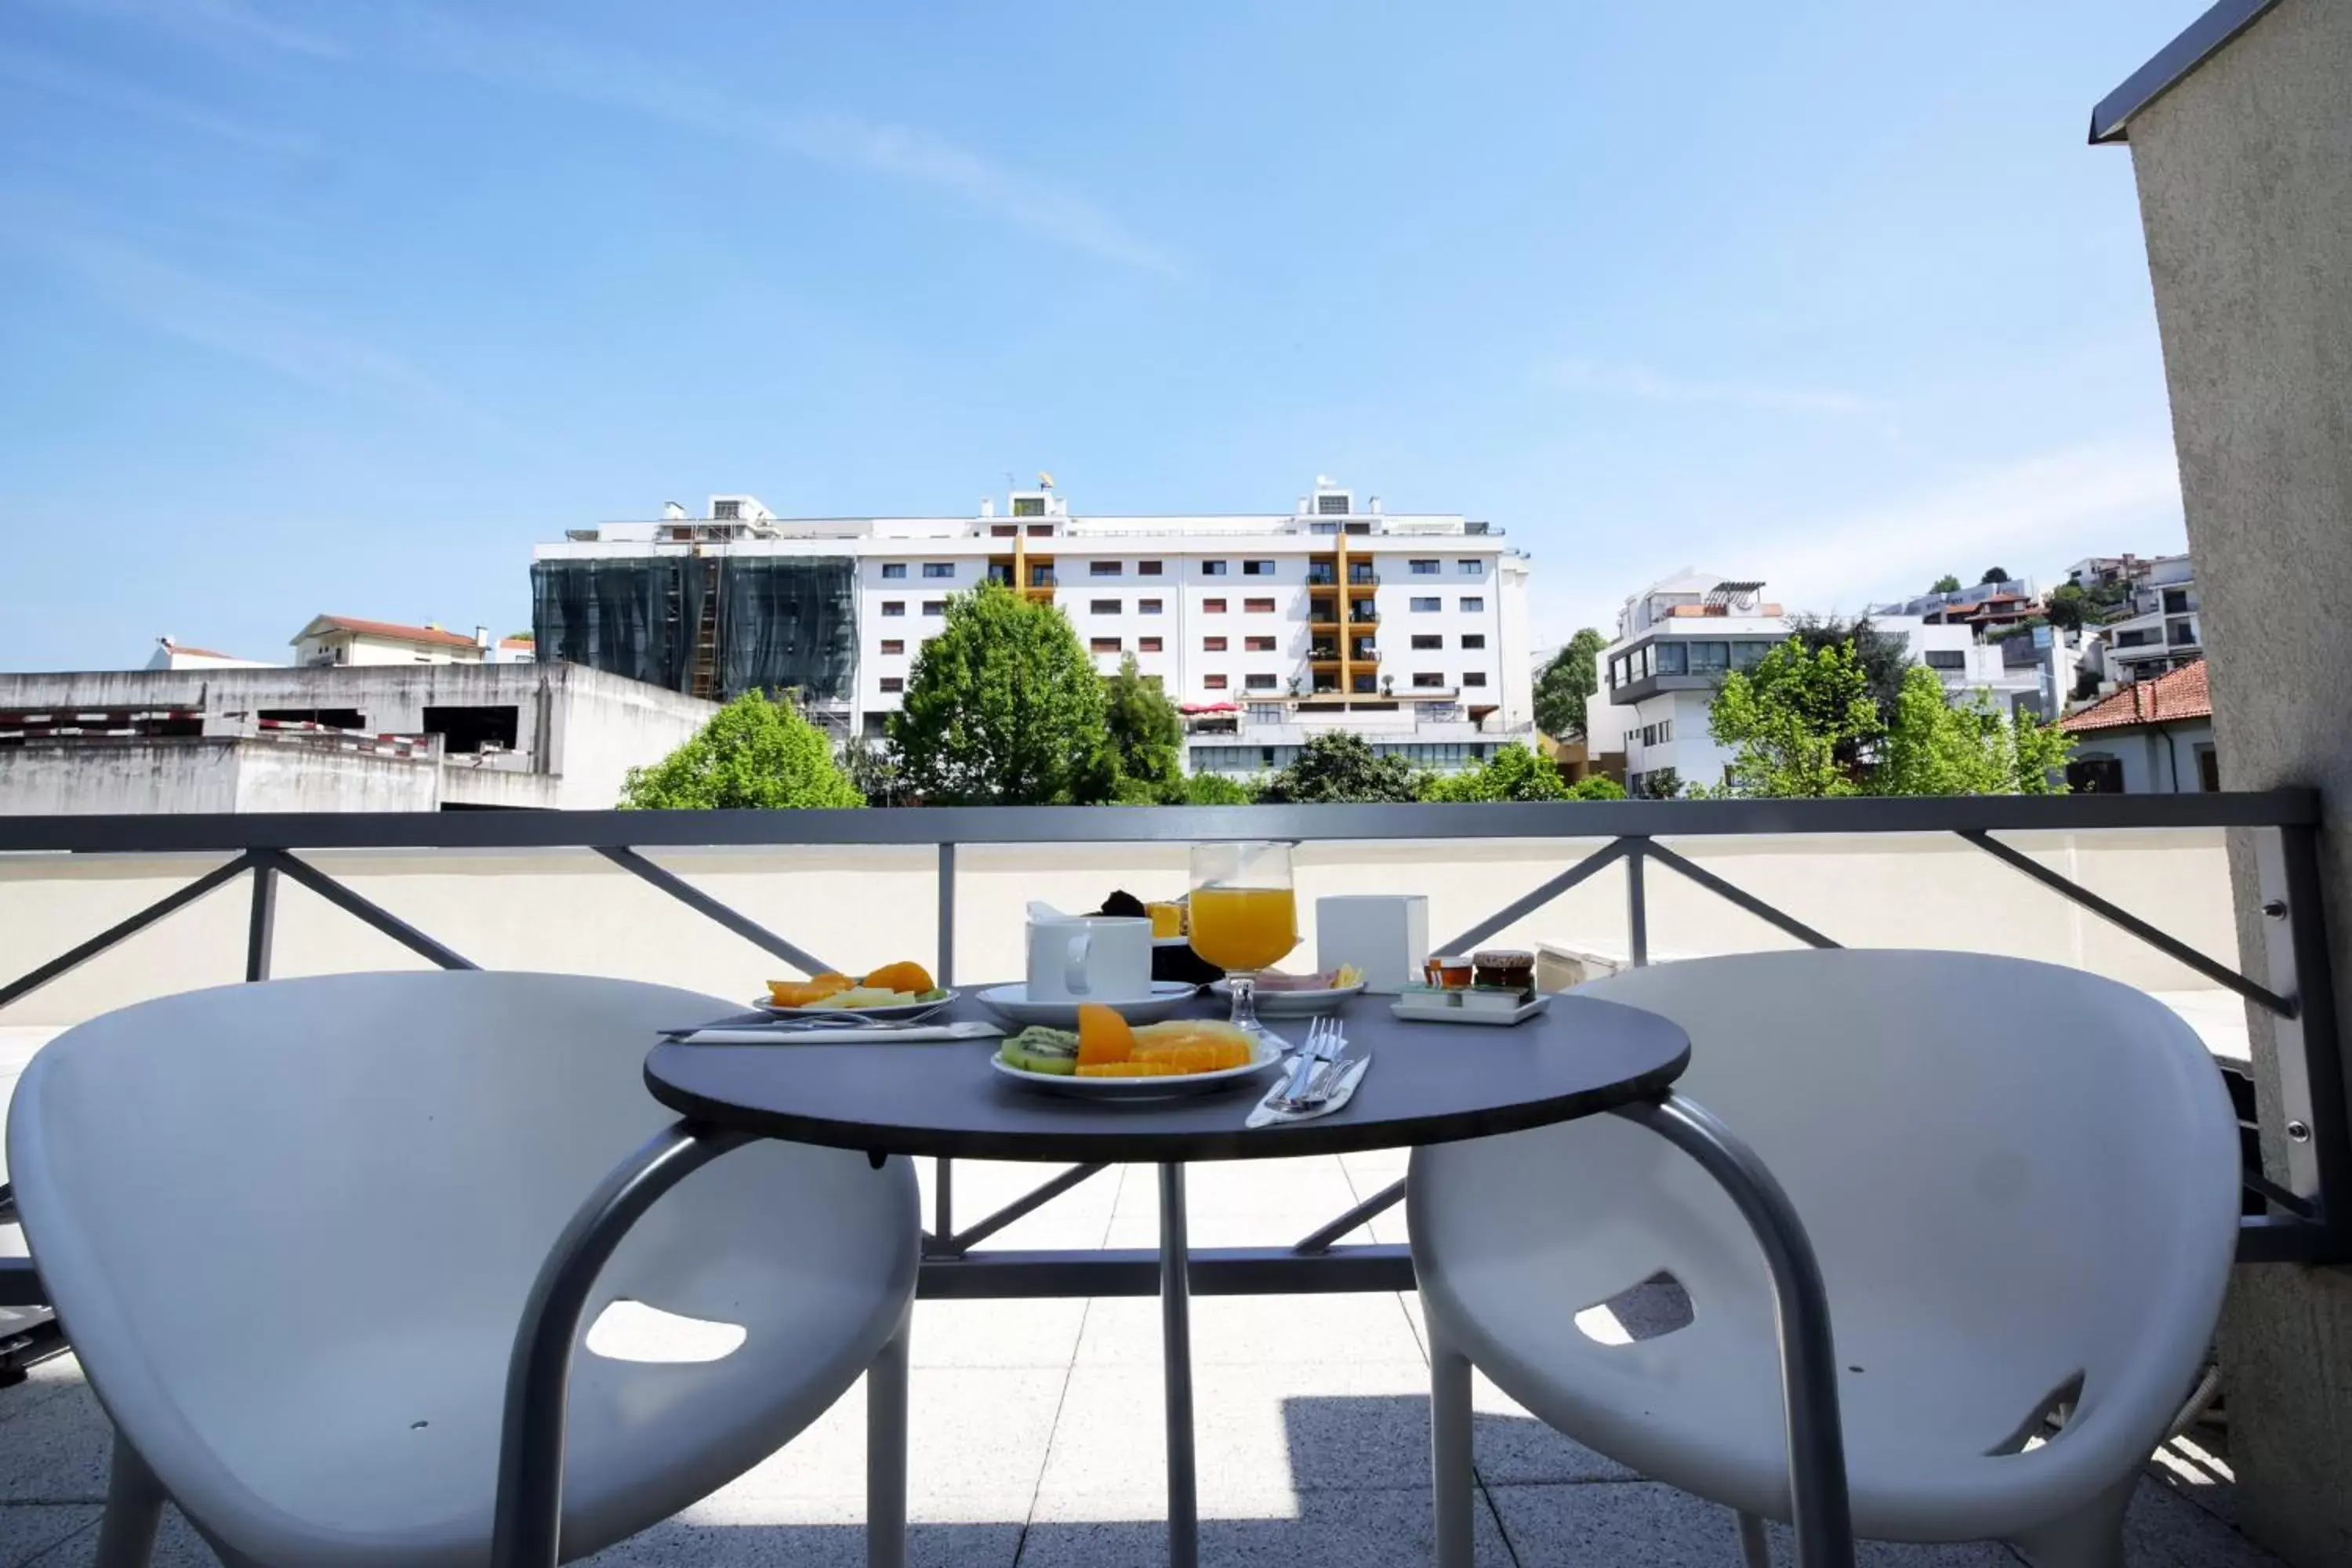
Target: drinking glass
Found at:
x=1244, y=916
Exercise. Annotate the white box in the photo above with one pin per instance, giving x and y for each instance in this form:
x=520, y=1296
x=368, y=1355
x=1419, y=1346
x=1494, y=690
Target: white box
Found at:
x=1386, y=935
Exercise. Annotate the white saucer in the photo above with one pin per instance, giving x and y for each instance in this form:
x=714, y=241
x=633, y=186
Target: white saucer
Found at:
x=1011, y=1003
x=1293, y=1004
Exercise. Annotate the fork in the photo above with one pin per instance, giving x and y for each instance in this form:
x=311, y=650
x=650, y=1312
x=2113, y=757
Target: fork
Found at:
x=1325, y=1042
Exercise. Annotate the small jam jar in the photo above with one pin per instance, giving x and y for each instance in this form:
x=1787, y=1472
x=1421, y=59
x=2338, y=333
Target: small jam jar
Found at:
x=1449, y=973
x=1505, y=968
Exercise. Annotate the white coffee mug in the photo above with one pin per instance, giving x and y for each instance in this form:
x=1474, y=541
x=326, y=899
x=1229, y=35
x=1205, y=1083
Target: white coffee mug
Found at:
x=1090, y=958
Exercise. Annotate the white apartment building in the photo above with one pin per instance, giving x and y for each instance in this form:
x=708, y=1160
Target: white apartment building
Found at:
x=1677, y=638
x=1407, y=629
x=2162, y=631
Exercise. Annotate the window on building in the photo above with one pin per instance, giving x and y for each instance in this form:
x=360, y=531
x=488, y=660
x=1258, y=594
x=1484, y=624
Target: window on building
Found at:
x=1473, y=678
x=1212, y=568
x=1147, y=568
x=1429, y=678
x=1146, y=606
x=1473, y=604
x=1257, y=568
x=1474, y=639
x=466, y=731
x=1147, y=645
x=1748, y=655
x=1331, y=506
x=727, y=511
x=1002, y=530
x=1428, y=606
x=1665, y=729
x=2175, y=601
x=1470, y=568
x=1259, y=644
x=1258, y=682
x=1427, y=640
x=1106, y=568
x=1038, y=530
x=936, y=568
x=2095, y=775
x=892, y=570
x=935, y=606
x=1670, y=658
x=1259, y=606
x=894, y=644
x=1947, y=659
x=1709, y=658
x=1213, y=682
x=2209, y=770
x=894, y=683
x=1213, y=607
x=1213, y=645
x=1616, y=672
x=1423, y=568
x=1028, y=505
x=1103, y=607
x=1103, y=645
x=894, y=606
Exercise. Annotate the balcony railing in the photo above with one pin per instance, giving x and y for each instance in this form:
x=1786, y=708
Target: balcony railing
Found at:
x=886, y=867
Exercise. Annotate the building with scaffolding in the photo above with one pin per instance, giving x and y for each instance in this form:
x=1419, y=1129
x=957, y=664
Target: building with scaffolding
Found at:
x=1409, y=629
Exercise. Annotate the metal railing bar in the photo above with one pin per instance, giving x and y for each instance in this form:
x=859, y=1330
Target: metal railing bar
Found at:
x=2262, y=1186
x=1174, y=824
x=2274, y=1238
x=1379, y=1203
x=2316, y=1075
x=20, y=1284
x=946, y=953
x=703, y=904
x=1011, y=1275
x=262, y=926
x=1542, y=894
x=364, y=909
x=943, y=1196
x=1739, y=896
x=2171, y=946
x=8, y=1202
x=74, y=958
x=1637, y=909
x=1028, y=1203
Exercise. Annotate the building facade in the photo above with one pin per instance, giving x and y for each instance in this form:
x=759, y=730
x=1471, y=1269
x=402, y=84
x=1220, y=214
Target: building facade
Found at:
x=2161, y=630
x=1265, y=629
x=2153, y=737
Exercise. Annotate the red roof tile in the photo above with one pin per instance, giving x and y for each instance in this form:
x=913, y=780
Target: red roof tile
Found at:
x=394, y=629
x=2169, y=699
x=198, y=652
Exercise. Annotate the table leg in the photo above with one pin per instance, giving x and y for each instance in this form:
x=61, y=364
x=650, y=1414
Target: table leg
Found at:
x=1808, y=1389
x=1176, y=1361
x=526, y=1528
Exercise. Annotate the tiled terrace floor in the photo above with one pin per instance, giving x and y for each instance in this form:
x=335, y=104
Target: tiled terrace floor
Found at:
x=1037, y=1437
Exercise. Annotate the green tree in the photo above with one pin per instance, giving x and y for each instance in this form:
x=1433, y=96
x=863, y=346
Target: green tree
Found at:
x=1216, y=789
x=1994, y=575
x=1947, y=583
x=2067, y=606
x=1939, y=747
x=1004, y=708
x=753, y=752
x=1599, y=786
x=1337, y=767
x=1147, y=738
x=1884, y=660
x=1564, y=684
x=1513, y=773
x=872, y=770
x=1799, y=724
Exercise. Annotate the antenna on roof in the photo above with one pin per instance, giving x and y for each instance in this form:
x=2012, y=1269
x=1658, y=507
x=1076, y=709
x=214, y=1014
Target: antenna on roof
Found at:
x=1044, y=480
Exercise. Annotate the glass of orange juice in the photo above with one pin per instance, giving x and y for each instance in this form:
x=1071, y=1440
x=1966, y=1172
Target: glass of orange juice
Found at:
x=1244, y=916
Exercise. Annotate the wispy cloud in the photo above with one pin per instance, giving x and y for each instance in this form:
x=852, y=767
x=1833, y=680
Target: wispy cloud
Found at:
x=244, y=326
x=234, y=24
x=1645, y=385
x=510, y=56
x=44, y=74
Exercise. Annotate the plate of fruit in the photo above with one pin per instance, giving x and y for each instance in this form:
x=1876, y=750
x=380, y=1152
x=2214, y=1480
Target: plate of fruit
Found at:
x=1104, y=1058
x=898, y=991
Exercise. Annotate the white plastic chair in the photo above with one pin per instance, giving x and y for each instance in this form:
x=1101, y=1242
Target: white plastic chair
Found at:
x=290, y=1229
x=2022, y=1182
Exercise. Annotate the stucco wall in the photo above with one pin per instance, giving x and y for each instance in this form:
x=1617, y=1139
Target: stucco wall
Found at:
x=2245, y=185
x=43, y=779
x=571, y=911
x=605, y=725
x=2155, y=760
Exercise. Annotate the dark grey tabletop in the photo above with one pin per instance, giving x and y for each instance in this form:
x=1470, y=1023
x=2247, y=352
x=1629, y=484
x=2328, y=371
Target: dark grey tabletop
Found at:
x=1429, y=1083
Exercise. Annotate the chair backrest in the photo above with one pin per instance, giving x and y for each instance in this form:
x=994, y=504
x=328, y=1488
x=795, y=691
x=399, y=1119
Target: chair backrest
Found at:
x=258, y=1168
x=2024, y=1151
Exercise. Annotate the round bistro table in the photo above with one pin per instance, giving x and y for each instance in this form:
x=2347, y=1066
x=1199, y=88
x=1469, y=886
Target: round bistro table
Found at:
x=1428, y=1083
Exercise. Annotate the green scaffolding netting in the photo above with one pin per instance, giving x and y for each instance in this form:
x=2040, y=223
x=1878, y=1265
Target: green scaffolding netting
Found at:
x=780, y=622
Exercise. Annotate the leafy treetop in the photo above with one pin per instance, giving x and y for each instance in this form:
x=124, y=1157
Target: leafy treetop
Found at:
x=1004, y=708
x=753, y=752
x=1564, y=685
x=1335, y=767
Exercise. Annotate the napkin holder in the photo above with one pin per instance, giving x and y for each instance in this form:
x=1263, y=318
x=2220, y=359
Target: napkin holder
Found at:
x=1386, y=935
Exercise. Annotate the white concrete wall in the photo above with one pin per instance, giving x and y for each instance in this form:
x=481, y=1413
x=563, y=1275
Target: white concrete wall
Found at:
x=570, y=911
x=2155, y=761
x=38, y=780
x=605, y=725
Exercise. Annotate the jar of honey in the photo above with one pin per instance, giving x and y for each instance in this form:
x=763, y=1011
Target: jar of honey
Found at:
x=1505, y=969
x=1448, y=973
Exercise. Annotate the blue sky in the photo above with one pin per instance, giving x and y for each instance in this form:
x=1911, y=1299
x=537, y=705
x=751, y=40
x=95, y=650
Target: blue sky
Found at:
x=336, y=307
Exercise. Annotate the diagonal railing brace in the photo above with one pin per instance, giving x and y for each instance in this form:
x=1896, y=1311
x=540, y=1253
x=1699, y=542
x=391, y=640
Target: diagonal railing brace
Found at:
x=702, y=903
x=1541, y=894
x=360, y=909
x=74, y=958
x=1739, y=896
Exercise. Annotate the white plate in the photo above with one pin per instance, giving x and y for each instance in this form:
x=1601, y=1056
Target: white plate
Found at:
x=1171, y=941
x=1471, y=1015
x=1011, y=1003
x=1293, y=1004
x=902, y=1012
x=1269, y=1053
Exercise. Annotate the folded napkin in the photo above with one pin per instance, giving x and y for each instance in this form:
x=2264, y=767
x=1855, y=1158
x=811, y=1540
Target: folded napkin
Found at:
x=1267, y=1113
x=898, y=1035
